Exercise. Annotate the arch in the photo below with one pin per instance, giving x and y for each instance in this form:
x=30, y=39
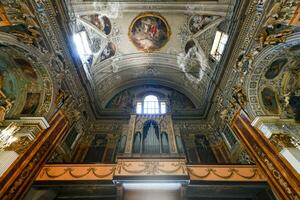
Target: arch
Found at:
x=151, y=105
x=107, y=97
x=132, y=99
x=281, y=57
x=25, y=55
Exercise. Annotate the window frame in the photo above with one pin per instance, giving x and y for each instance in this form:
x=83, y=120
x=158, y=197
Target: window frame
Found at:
x=151, y=107
x=219, y=45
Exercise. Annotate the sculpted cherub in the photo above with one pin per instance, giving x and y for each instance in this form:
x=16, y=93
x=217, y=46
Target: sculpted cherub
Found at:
x=239, y=95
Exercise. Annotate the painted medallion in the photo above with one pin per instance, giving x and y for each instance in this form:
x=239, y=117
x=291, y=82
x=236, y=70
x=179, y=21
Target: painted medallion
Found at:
x=149, y=32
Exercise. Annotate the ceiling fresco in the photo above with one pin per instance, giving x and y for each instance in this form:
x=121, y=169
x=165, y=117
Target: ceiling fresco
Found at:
x=167, y=45
x=134, y=43
x=273, y=82
x=21, y=84
x=149, y=32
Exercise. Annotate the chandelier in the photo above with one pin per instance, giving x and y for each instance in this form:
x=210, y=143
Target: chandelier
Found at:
x=7, y=135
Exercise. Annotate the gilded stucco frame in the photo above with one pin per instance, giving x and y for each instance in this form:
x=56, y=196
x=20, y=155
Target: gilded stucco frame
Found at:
x=149, y=14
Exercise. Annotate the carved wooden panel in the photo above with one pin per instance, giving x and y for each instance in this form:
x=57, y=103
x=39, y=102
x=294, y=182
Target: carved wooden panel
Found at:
x=145, y=168
x=59, y=172
x=225, y=173
x=151, y=167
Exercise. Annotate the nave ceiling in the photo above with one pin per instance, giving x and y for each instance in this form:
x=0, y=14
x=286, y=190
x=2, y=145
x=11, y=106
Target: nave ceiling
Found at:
x=126, y=54
x=137, y=48
x=146, y=45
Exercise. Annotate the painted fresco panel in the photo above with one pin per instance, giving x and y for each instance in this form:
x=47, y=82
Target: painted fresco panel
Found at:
x=269, y=100
x=32, y=103
x=149, y=32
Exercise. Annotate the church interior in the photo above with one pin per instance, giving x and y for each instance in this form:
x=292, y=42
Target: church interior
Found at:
x=153, y=99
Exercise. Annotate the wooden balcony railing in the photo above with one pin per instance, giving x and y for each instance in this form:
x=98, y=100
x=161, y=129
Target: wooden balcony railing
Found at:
x=164, y=169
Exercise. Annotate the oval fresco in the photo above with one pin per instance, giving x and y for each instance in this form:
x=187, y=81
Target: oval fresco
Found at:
x=275, y=68
x=269, y=100
x=149, y=32
x=102, y=23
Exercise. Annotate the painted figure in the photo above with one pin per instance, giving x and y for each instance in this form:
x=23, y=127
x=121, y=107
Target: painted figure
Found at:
x=149, y=32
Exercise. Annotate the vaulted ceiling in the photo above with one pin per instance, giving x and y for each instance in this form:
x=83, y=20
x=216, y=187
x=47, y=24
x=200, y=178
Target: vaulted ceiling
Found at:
x=164, y=43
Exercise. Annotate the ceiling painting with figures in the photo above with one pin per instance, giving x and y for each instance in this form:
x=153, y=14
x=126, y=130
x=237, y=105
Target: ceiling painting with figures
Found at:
x=149, y=32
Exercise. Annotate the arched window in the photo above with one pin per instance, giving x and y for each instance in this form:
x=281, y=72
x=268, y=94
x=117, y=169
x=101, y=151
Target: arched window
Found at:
x=151, y=105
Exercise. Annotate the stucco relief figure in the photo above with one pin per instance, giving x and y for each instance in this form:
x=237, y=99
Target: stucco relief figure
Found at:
x=265, y=38
x=23, y=24
x=274, y=30
x=5, y=107
x=198, y=22
x=239, y=96
x=149, y=32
